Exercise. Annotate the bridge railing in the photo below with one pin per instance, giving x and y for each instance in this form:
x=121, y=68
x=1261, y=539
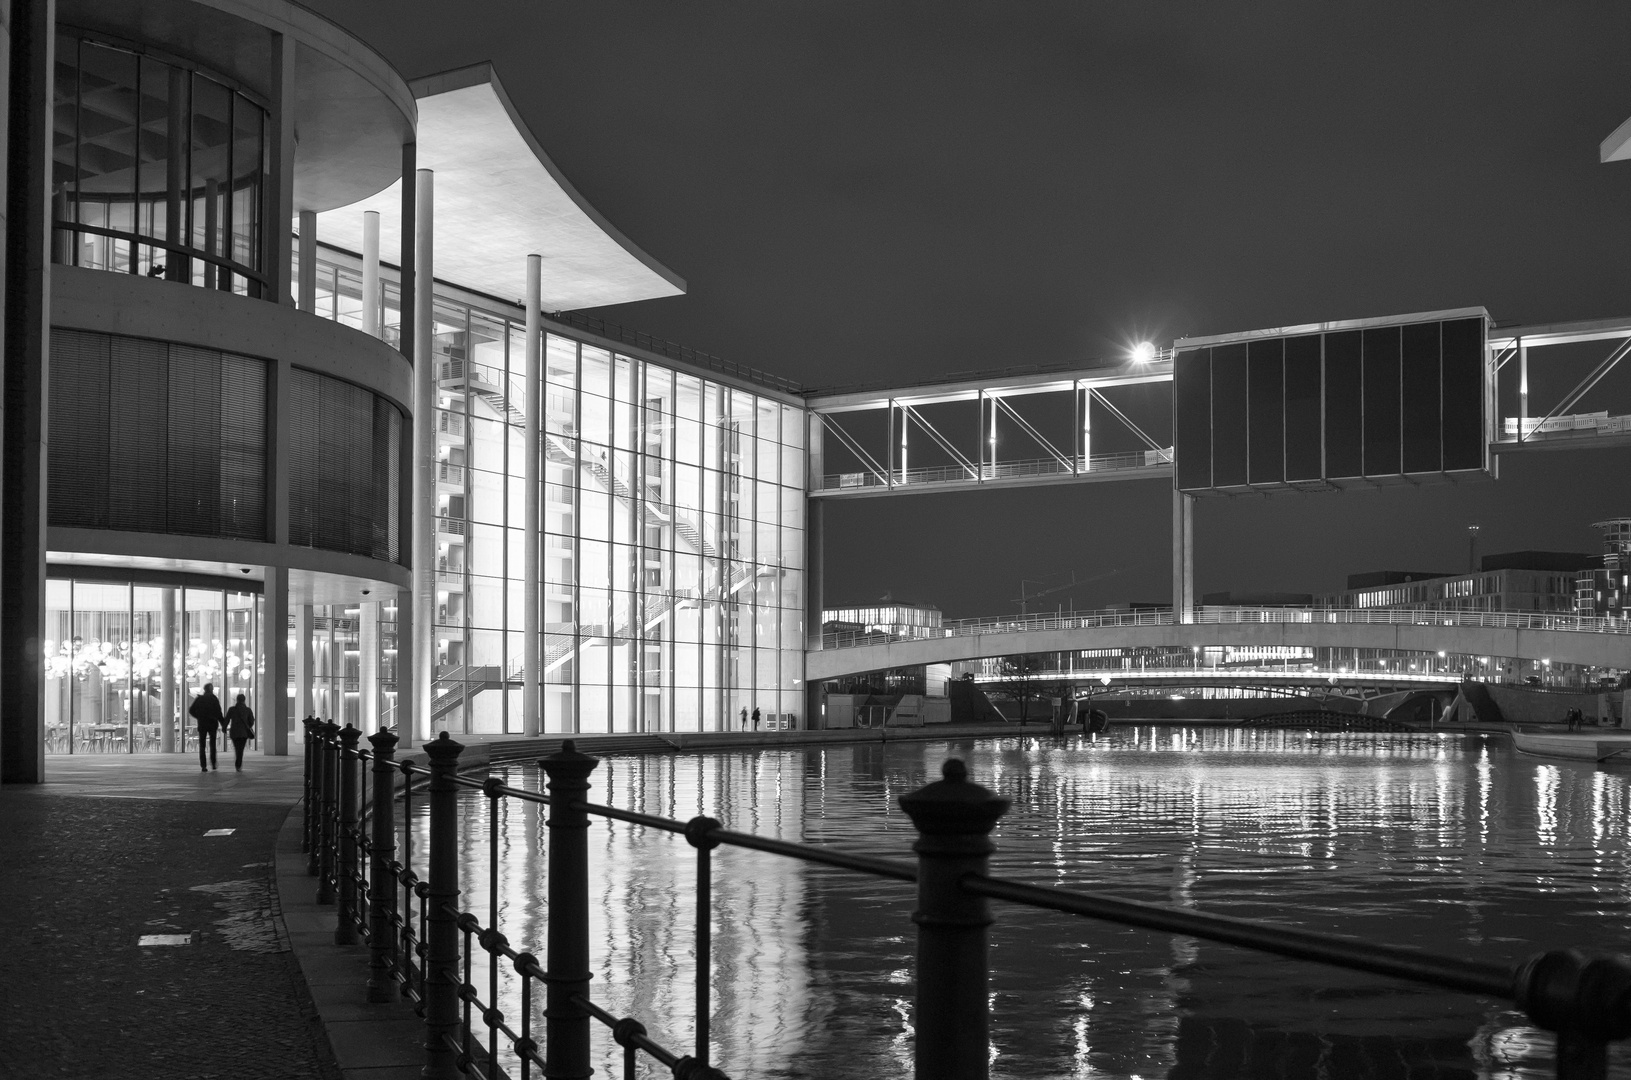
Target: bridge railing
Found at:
x=1001, y=470
x=1502, y=620
x=425, y=945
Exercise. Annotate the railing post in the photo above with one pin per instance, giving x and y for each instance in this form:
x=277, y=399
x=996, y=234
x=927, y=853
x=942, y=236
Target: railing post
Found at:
x=566, y=1053
x=345, y=929
x=381, y=881
x=314, y=797
x=306, y=814
x=1586, y=1000
x=329, y=774
x=441, y=928
x=954, y=818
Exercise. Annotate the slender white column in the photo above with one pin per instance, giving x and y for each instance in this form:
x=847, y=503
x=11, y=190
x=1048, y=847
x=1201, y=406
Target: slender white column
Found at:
x=402, y=715
x=272, y=706
x=368, y=665
x=302, y=661
x=1183, y=557
x=531, y=524
x=308, y=262
x=370, y=273
x=167, y=672
x=1523, y=386
x=424, y=459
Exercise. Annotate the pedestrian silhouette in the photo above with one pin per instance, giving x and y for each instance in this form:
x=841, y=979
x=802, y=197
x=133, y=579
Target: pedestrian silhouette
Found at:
x=744, y=718
x=240, y=725
x=206, y=709
x=756, y=718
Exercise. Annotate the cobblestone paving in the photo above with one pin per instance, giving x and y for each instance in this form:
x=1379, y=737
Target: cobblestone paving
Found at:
x=82, y=879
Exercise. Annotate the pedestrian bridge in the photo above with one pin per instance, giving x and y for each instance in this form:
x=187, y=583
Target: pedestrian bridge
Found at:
x=1528, y=636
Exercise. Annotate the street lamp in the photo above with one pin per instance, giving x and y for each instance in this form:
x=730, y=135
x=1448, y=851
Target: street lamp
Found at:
x=1143, y=352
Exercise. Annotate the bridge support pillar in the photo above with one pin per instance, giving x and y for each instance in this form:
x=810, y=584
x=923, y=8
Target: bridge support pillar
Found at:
x=1183, y=557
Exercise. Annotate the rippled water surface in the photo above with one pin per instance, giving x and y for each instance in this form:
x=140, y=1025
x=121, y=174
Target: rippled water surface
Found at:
x=1450, y=843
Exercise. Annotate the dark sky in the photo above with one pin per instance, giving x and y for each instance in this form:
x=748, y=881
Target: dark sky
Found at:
x=857, y=191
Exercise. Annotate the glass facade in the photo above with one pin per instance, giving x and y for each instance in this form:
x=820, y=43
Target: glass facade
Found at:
x=159, y=168
x=673, y=521
x=114, y=649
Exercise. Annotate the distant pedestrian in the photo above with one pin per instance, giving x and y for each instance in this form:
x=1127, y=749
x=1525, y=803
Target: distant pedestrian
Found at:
x=206, y=709
x=757, y=717
x=240, y=725
x=744, y=718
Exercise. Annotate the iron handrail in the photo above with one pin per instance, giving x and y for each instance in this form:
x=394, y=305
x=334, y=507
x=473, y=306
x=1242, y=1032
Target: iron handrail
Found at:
x=1585, y=1000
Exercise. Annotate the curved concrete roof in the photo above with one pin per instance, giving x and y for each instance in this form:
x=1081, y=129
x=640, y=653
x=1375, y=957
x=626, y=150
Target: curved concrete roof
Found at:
x=352, y=111
x=498, y=199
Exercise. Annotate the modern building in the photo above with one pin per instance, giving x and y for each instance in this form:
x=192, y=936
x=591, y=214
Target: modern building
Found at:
x=309, y=433
x=1605, y=588
x=1514, y=581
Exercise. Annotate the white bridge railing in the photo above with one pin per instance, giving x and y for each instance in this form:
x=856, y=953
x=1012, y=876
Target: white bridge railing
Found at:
x=1083, y=620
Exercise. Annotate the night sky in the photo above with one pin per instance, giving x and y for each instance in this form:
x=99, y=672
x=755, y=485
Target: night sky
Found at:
x=865, y=191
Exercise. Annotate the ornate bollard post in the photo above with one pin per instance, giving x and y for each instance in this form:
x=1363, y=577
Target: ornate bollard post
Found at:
x=306, y=814
x=954, y=818
x=441, y=928
x=328, y=750
x=314, y=832
x=1586, y=1000
x=381, y=881
x=566, y=1045
x=345, y=929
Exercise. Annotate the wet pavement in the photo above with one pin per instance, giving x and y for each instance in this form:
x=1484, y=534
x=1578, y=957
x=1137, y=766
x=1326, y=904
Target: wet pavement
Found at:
x=113, y=849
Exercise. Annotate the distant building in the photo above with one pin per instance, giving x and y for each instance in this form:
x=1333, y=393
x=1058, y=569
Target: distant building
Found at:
x=1605, y=589
x=901, y=620
x=1256, y=599
x=1513, y=581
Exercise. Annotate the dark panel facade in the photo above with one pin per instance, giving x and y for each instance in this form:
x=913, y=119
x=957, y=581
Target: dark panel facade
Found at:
x=157, y=438
x=1420, y=423
x=1462, y=363
x=1229, y=415
x=1267, y=420
x=1192, y=418
x=1344, y=404
x=1305, y=459
x=1381, y=401
x=1371, y=404
x=345, y=468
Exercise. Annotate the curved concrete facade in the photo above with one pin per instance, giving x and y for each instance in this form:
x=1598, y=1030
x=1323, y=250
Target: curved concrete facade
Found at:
x=1559, y=646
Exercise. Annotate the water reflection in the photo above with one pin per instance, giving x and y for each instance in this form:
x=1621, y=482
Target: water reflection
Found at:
x=1450, y=843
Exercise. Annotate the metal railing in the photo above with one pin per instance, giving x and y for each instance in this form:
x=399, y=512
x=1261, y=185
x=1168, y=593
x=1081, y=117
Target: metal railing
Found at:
x=1233, y=616
x=422, y=945
x=1002, y=470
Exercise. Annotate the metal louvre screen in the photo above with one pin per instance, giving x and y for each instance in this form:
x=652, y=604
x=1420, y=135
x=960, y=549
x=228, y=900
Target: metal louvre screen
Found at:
x=345, y=468
x=1355, y=404
x=152, y=437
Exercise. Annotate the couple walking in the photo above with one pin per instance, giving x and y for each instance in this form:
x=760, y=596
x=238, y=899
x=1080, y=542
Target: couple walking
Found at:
x=239, y=723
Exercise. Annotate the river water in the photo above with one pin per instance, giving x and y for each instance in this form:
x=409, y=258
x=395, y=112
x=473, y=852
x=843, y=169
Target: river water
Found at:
x=1448, y=842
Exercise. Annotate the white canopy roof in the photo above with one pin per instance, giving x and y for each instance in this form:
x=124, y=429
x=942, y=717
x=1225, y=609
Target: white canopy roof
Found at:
x=498, y=199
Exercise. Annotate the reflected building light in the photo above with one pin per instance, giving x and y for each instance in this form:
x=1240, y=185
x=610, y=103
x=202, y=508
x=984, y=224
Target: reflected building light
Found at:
x=1546, y=785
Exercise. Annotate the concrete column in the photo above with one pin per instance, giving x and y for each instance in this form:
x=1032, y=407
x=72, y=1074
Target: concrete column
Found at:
x=27, y=342
x=1183, y=557
x=424, y=458
x=280, y=165
x=1523, y=386
x=531, y=521
x=308, y=262
x=370, y=273
x=301, y=663
x=404, y=670
x=167, y=672
x=272, y=710
x=368, y=666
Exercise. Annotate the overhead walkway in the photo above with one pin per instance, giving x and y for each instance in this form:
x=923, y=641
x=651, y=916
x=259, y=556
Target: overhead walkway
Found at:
x=1562, y=639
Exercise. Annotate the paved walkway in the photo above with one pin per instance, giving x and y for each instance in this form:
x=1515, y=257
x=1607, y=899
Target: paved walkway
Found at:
x=113, y=849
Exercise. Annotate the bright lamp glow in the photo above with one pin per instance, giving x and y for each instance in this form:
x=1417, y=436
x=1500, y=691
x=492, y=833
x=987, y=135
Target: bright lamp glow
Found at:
x=1143, y=352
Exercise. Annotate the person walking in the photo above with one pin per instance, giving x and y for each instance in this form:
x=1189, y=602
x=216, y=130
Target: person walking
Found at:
x=757, y=717
x=206, y=709
x=744, y=718
x=240, y=725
